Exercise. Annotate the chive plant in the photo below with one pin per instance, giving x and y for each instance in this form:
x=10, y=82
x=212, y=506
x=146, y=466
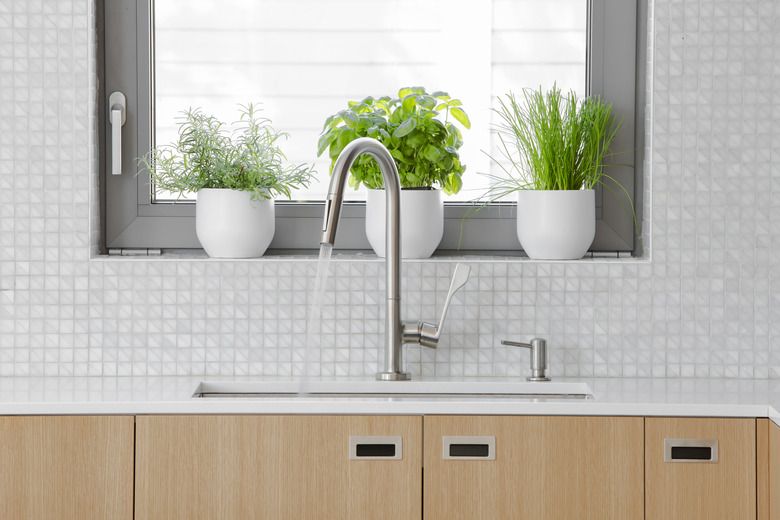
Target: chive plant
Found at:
x=551, y=142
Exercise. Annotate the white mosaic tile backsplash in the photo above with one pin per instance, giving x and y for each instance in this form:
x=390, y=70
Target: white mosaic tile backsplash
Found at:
x=705, y=303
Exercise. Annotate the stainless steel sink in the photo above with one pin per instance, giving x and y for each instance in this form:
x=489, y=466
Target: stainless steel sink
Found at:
x=384, y=389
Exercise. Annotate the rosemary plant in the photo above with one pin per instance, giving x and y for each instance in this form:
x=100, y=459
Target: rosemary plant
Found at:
x=207, y=155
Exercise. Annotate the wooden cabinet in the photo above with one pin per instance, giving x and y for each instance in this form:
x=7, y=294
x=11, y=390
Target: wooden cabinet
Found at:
x=66, y=467
x=543, y=467
x=684, y=482
x=768, y=469
x=280, y=467
x=292, y=467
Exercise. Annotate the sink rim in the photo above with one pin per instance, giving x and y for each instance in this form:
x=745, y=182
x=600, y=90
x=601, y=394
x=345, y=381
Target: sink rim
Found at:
x=393, y=389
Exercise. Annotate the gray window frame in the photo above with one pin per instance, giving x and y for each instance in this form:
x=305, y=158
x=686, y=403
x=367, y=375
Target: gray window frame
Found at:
x=616, y=67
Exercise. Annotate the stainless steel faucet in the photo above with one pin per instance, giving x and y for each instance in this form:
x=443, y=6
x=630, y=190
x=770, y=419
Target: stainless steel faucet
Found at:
x=397, y=332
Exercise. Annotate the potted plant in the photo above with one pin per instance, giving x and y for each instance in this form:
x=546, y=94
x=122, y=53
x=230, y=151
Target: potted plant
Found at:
x=553, y=149
x=235, y=175
x=416, y=129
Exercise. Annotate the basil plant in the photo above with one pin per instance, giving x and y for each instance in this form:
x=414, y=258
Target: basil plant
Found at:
x=416, y=129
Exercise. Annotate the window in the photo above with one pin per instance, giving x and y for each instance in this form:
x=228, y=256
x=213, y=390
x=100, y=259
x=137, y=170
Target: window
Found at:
x=304, y=59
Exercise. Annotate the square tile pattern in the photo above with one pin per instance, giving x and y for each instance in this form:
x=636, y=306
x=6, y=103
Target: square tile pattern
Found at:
x=704, y=302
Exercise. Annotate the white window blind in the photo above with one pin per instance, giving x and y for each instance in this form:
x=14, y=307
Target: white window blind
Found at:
x=304, y=59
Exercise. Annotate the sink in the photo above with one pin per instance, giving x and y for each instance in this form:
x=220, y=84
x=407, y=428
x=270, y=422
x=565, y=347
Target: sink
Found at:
x=382, y=389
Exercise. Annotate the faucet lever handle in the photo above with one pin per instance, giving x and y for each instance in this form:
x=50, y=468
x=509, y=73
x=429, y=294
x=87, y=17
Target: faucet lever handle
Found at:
x=430, y=334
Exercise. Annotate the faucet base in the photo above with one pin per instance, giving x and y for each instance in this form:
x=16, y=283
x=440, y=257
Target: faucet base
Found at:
x=393, y=376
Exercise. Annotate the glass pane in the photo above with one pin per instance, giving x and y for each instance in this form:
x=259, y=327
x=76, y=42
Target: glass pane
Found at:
x=304, y=59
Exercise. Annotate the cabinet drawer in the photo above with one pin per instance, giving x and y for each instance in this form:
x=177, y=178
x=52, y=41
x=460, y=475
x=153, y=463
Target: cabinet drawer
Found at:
x=550, y=468
x=700, y=468
x=62, y=467
x=278, y=467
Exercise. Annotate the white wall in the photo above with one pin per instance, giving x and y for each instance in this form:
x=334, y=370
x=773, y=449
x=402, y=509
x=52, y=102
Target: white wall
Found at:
x=706, y=304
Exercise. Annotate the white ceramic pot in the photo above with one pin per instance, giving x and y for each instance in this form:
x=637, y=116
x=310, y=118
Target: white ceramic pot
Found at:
x=229, y=224
x=422, y=222
x=556, y=225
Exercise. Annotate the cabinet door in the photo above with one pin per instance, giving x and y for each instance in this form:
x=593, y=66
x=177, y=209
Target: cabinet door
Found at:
x=540, y=467
x=66, y=467
x=277, y=467
x=768, y=469
x=711, y=475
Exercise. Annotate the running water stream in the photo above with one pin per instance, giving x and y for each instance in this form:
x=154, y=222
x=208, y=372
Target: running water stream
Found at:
x=314, y=319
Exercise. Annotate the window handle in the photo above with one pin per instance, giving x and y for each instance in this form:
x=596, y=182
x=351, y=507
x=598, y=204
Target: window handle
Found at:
x=117, y=106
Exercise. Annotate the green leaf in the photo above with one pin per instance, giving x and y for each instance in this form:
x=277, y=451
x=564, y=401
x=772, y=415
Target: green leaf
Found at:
x=453, y=185
x=324, y=142
x=351, y=118
x=461, y=116
x=454, y=139
x=431, y=153
x=405, y=128
x=344, y=138
x=438, y=130
x=331, y=122
x=416, y=139
x=446, y=163
x=425, y=101
x=409, y=102
x=395, y=117
x=441, y=95
x=397, y=155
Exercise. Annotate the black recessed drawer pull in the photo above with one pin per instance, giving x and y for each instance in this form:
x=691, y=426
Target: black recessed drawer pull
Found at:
x=469, y=450
x=375, y=447
x=690, y=450
x=455, y=447
x=375, y=450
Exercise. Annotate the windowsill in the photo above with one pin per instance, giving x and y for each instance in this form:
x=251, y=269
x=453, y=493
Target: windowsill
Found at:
x=370, y=256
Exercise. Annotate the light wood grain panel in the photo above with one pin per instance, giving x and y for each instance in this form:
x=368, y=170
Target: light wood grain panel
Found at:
x=689, y=491
x=74, y=467
x=279, y=467
x=774, y=471
x=545, y=467
x=768, y=469
x=762, y=469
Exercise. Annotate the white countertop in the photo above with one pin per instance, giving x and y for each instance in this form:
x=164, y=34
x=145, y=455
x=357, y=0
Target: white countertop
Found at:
x=173, y=395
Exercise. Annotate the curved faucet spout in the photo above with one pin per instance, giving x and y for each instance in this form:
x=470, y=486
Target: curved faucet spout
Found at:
x=338, y=182
x=394, y=326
